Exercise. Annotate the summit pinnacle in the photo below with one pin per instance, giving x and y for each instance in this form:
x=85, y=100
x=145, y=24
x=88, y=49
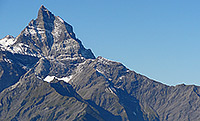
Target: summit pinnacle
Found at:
x=50, y=36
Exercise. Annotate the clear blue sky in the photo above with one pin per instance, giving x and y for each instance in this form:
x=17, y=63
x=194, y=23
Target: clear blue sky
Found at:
x=157, y=38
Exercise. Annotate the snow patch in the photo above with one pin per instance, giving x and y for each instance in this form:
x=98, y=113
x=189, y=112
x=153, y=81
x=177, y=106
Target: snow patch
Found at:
x=38, y=77
x=7, y=60
x=32, y=31
x=61, y=20
x=41, y=32
x=121, y=77
x=111, y=90
x=99, y=71
x=5, y=42
x=103, y=60
x=65, y=79
x=21, y=48
x=49, y=78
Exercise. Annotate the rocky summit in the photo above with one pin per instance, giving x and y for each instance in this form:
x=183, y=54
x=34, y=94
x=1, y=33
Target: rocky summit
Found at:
x=47, y=74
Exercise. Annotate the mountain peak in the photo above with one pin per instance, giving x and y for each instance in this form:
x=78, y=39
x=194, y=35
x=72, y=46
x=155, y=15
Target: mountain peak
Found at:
x=48, y=35
x=9, y=37
x=45, y=15
x=42, y=7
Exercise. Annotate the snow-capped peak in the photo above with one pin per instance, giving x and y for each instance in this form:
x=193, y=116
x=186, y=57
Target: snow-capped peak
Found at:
x=7, y=41
x=47, y=35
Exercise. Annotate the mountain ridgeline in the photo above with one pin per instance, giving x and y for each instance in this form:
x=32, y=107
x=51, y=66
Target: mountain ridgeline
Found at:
x=47, y=74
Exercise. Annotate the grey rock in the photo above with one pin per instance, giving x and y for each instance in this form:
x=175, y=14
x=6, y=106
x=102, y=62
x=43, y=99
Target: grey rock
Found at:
x=34, y=99
x=51, y=37
x=12, y=67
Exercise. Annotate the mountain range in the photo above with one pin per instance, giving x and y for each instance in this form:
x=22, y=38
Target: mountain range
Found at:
x=47, y=74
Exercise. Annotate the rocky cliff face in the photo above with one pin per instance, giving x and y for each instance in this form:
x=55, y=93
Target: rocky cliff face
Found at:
x=47, y=74
x=49, y=36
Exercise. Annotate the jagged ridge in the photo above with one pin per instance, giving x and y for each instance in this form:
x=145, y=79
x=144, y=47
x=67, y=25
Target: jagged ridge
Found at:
x=49, y=36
